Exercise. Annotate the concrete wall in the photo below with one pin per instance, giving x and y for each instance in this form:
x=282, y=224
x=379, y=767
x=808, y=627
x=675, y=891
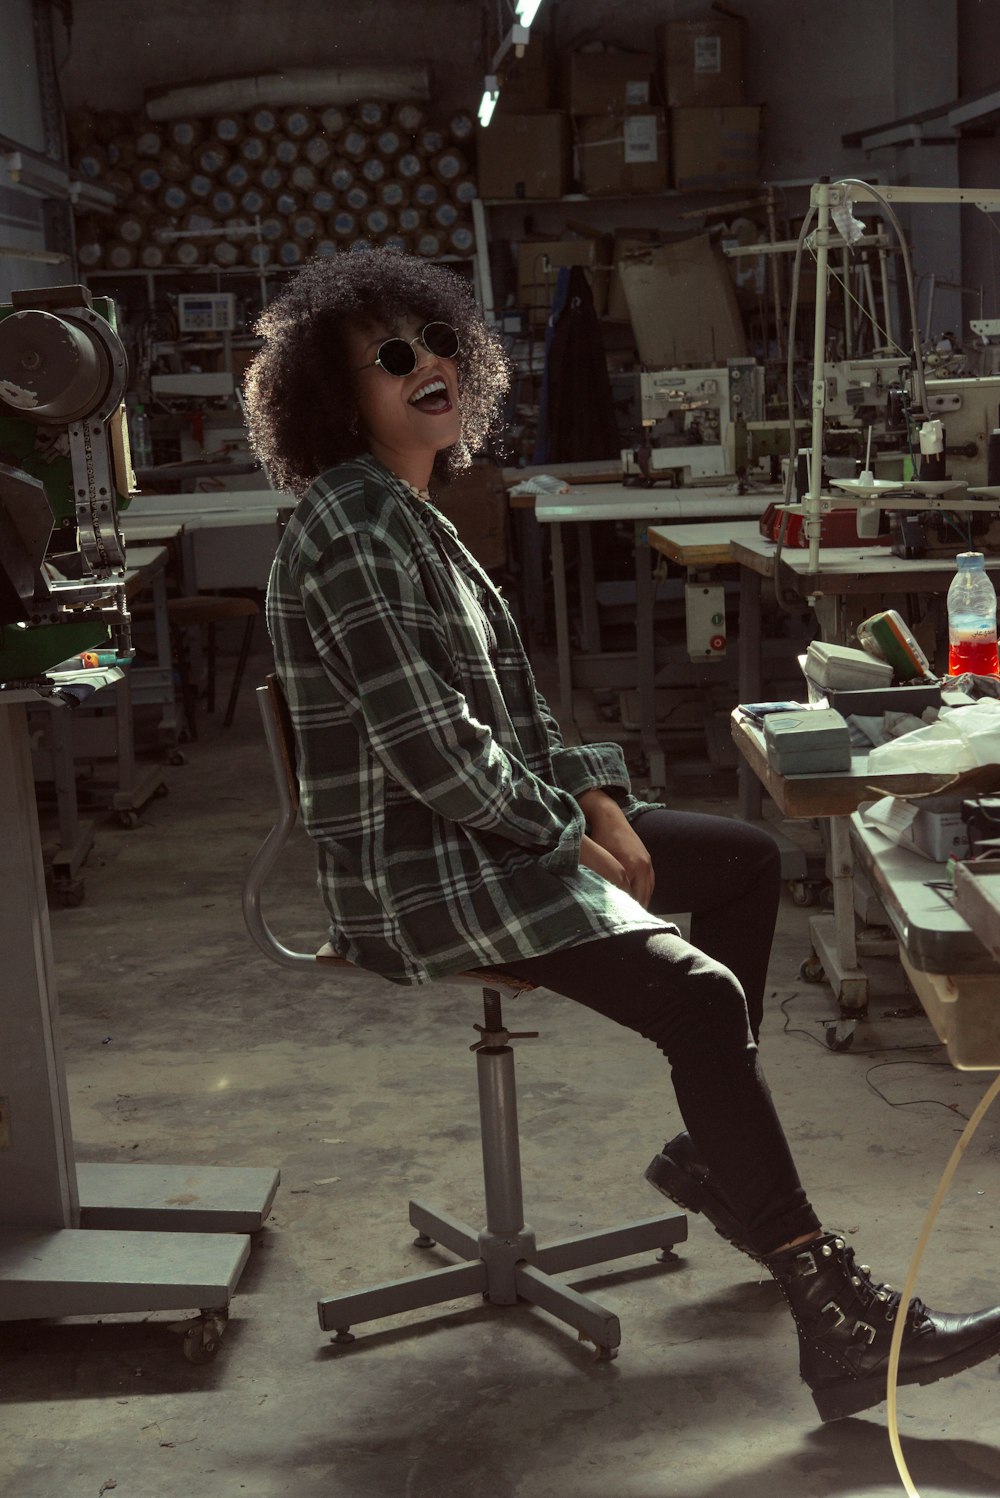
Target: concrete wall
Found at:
x=979, y=161
x=822, y=69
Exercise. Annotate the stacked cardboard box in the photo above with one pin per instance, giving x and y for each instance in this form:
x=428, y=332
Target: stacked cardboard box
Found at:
x=714, y=133
x=540, y=261
x=621, y=133
x=525, y=150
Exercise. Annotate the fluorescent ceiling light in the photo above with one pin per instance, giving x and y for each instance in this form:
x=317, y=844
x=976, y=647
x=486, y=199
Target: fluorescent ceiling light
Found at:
x=527, y=10
x=516, y=40
x=86, y=194
x=37, y=174
x=491, y=93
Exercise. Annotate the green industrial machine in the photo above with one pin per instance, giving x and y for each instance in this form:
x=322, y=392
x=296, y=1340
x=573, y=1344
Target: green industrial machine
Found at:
x=65, y=472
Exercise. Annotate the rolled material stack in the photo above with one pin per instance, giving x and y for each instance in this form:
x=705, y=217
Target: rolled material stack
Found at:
x=271, y=187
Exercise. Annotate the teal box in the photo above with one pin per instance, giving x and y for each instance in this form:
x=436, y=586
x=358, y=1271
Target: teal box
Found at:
x=808, y=743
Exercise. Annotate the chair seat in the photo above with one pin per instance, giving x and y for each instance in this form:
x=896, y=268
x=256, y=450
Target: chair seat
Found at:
x=474, y=975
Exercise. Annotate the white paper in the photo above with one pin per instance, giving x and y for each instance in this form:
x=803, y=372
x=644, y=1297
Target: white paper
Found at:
x=708, y=54
x=640, y=137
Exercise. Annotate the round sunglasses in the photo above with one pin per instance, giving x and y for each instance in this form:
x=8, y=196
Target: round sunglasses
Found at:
x=398, y=357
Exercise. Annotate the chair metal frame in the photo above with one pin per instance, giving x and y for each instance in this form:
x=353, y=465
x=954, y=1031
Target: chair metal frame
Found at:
x=503, y=1262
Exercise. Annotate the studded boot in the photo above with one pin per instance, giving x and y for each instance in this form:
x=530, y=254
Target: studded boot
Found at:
x=679, y=1174
x=845, y=1322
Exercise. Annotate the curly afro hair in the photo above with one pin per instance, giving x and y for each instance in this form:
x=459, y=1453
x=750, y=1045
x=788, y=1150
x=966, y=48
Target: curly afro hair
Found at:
x=300, y=392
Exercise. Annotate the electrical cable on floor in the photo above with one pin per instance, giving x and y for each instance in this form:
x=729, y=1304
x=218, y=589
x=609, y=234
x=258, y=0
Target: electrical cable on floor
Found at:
x=911, y=1276
x=910, y=1102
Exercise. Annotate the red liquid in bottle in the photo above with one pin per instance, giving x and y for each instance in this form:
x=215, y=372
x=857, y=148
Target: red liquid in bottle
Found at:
x=977, y=656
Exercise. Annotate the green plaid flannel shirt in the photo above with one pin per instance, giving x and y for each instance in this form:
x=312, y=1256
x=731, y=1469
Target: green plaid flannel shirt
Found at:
x=433, y=776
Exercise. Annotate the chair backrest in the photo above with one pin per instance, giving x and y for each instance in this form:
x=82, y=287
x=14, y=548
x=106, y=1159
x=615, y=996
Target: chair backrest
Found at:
x=280, y=738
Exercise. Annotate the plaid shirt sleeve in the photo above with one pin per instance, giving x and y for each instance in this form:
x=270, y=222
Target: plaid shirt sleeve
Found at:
x=386, y=651
x=584, y=767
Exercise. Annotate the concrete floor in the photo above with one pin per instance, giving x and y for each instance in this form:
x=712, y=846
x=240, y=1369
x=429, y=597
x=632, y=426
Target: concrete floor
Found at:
x=184, y=1045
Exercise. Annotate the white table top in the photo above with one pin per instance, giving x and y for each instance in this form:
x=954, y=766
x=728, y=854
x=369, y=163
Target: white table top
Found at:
x=144, y=559
x=621, y=502
x=138, y=530
x=701, y=541
x=847, y=562
x=193, y=510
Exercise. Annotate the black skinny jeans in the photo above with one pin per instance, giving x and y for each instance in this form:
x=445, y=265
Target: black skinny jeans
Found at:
x=701, y=1003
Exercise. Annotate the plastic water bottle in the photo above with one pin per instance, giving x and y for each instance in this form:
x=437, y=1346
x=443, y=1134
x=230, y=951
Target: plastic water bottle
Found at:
x=141, y=439
x=972, y=618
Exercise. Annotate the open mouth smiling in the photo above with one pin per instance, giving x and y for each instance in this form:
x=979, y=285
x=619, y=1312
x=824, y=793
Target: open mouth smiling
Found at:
x=432, y=397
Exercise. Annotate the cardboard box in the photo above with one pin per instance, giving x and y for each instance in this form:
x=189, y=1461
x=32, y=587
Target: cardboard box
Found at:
x=524, y=156
x=682, y=305
x=527, y=85
x=626, y=241
x=702, y=62
x=623, y=153
x=599, y=82
x=539, y=263
x=715, y=148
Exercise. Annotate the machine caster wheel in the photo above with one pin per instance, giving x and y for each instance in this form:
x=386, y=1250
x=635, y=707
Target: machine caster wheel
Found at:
x=201, y=1341
x=802, y=893
x=128, y=819
x=811, y=971
x=606, y=1354
x=69, y=893
x=667, y=1256
x=826, y=896
x=840, y=1035
x=422, y=1241
x=162, y=789
x=342, y=1337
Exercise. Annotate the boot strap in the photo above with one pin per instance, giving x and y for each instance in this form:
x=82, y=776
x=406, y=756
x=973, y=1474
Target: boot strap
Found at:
x=860, y=1329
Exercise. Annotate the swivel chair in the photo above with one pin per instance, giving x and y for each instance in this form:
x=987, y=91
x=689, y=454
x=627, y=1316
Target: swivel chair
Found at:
x=502, y=1262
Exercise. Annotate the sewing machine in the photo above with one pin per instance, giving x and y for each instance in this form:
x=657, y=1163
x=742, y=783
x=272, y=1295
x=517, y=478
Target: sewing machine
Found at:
x=78, y=1238
x=691, y=417
x=65, y=471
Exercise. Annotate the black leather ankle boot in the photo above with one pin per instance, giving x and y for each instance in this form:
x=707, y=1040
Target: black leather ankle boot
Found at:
x=845, y=1323
x=680, y=1175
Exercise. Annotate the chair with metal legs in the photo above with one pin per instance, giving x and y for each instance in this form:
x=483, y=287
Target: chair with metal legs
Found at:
x=502, y=1262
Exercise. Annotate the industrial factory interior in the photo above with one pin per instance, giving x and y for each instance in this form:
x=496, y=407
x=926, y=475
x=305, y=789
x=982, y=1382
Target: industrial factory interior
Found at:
x=499, y=749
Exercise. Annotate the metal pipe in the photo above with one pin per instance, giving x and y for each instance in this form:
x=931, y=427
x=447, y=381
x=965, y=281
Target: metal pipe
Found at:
x=813, y=521
x=501, y=1147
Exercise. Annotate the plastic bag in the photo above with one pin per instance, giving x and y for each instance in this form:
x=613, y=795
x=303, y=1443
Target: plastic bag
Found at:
x=961, y=738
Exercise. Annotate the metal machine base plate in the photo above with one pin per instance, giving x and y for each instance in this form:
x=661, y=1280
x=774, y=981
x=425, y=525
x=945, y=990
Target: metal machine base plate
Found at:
x=87, y=1272
x=175, y=1198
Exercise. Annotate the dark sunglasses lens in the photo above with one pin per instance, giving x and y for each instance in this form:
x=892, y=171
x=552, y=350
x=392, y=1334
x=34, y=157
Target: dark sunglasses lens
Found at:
x=397, y=357
x=440, y=339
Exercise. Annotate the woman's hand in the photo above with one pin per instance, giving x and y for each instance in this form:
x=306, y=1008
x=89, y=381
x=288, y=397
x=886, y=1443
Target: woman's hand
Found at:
x=593, y=856
x=617, y=847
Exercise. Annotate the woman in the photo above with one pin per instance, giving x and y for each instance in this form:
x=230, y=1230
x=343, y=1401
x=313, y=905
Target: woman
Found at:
x=454, y=829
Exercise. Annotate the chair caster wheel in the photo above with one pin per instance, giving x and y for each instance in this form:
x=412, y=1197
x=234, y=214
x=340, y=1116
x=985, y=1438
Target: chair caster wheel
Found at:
x=801, y=893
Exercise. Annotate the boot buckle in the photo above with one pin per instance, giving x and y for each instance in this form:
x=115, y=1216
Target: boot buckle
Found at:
x=806, y=1265
x=832, y=1305
x=861, y=1328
